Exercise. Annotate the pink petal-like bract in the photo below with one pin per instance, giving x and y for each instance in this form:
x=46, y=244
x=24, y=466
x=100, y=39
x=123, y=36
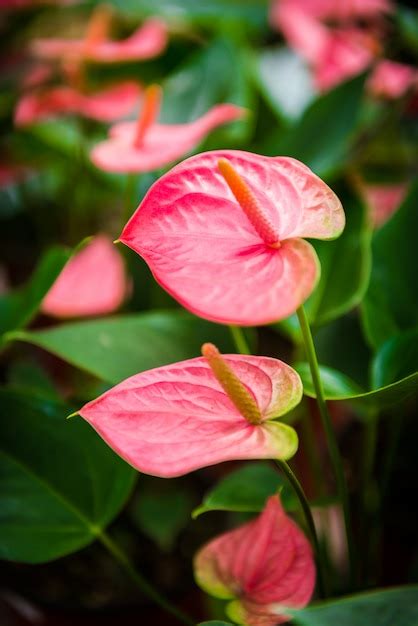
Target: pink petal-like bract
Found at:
x=161, y=144
x=336, y=53
x=146, y=42
x=93, y=282
x=226, y=261
x=335, y=10
x=384, y=199
x=105, y=106
x=392, y=80
x=266, y=564
x=174, y=419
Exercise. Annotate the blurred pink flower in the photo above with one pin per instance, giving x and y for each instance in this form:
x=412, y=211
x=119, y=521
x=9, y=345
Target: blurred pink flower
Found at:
x=383, y=199
x=337, y=10
x=108, y=105
x=93, y=282
x=145, y=145
x=266, y=565
x=175, y=419
x=146, y=42
x=335, y=53
x=222, y=233
x=392, y=80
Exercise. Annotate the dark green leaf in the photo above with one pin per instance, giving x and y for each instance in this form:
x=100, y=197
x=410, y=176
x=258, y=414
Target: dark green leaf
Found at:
x=61, y=484
x=252, y=12
x=19, y=307
x=337, y=386
x=396, y=359
x=117, y=347
x=161, y=513
x=323, y=136
x=246, y=490
x=212, y=75
x=215, y=623
x=388, y=607
x=345, y=269
x=391, y=302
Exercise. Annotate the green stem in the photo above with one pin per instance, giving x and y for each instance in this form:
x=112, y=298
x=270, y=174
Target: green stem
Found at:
x=334, y=452
x=298, y=489
x=128, y=209
x=142, y=584
x=308, y=439
x=239, y=340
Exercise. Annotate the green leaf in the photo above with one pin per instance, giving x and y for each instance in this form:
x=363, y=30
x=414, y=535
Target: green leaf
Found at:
x=118, y=347
x=391, y=302
x=208, y=78
x=285, y=80
x=396, y=359
x=345, y=269
x=252, y=12
x=322, y=138
x=20, y=306
x=337, y=386
x=388, y=607
x=246, y=490
x=162, y=512
x=215, y=623
x=61, y=484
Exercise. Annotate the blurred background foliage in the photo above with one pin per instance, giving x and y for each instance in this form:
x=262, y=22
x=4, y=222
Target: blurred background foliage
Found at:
x=61, y=486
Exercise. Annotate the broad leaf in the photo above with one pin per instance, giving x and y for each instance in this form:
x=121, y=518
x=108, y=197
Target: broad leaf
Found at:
x=211, y=74
x=252, y=12
x=337, y=386
x=117, y=347
x=161, y=512
x=388, y=607
x=345, y=269
x=323, y=136
x=391, y=302
x=246, y=490
x=19, y=307
x=61, y=485
x=397, y=358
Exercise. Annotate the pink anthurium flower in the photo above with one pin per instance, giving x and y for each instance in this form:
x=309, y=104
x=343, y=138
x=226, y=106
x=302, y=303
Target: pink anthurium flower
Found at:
x=222, y=233
x=146, y=42
x=104, y=106
x=93, y=282
x=392, y=80
x=175, y=419
x=336, y=10
x=144, y=145
x=383, y=199
x=265, y=566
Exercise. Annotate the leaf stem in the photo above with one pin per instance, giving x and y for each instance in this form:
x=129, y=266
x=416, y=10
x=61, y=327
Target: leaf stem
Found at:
x=298, y=489
x=239, y=339
x=143, y=585
x=334, y=452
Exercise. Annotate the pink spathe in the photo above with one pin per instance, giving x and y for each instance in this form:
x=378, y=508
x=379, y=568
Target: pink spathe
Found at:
x=392, y=80
x=146, y=42
x=105, y=106
x=161, y=144
x=175, y=419
x=383, y=199
x=203, y=248
x=266, y=565
x=93, y=282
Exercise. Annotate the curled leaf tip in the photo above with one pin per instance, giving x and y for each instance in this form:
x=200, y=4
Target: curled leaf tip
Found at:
x=235, y=389
x=249, y=204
